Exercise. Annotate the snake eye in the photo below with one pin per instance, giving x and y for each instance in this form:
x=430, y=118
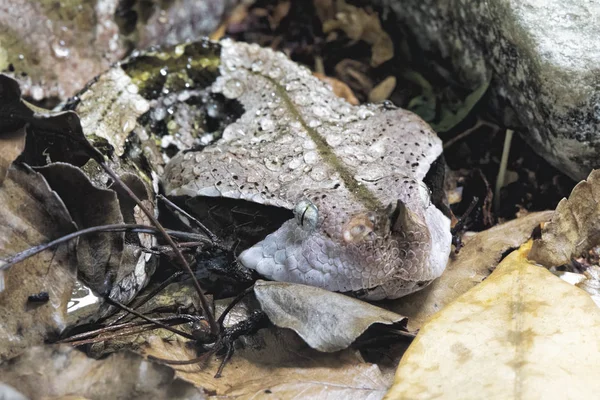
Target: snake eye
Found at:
x=307, y=214
x=425, y=194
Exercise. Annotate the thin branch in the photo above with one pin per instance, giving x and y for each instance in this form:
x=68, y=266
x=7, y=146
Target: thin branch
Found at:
x=142, y=316
x=502, y=170
x=32, y=251
x=233, y=303
x=214, y=328
x=180, y=210
x=153, y=293
x=128, y=328
x=469, y=131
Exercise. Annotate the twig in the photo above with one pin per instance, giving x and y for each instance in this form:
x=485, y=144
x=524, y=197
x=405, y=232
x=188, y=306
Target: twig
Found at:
x=214, y=328
x=32, y=251
x=502, y=171
x=126, y=329
x=180, y=210
x=469, y=131
x=142, y=316
x=153, y=293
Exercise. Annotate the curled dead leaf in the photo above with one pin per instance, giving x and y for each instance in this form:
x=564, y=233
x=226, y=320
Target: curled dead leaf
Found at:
x=383, y=90
x=574, y=228
x=12, y=132
x=339, y=88
x=98, y=255
x=358, y=24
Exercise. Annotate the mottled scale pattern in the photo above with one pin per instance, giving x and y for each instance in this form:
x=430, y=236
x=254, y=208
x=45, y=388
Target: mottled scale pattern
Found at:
x=352, y=174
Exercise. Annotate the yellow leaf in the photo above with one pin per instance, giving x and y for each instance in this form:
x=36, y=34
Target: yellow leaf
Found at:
x=523, y=333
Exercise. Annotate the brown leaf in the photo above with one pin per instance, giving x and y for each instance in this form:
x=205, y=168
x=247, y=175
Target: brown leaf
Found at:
x=98, y=255
x=339, y=88
x=359, y=24
x=33, y=214
x=278, y=364
x=56, y=371
x=355, y=74
x=574, y=228
x=383, y=90
x=11, y=147
x=521, y=334
x=280, y=11
x=12, y=133
x=468, y=268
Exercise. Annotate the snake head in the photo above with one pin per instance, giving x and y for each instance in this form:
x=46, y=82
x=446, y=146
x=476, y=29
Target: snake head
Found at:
x=379, y=254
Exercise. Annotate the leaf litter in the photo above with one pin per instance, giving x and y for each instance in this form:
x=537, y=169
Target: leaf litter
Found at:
x=278, y=360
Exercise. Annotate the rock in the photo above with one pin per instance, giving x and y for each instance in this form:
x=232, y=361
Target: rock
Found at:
x=545, y=57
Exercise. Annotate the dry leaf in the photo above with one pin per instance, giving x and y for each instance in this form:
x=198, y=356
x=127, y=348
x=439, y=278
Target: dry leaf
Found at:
x=56, y=371
x=468, y=268
x=359, y=24
x=280, y=11
x=339, y=88
x=276, y=363
x=521, y=334
x=12, y=133
x=574, y=228
x=98, y=255
x=33, y=214
x=355, y=74
x=383, y=90
x=331, y=328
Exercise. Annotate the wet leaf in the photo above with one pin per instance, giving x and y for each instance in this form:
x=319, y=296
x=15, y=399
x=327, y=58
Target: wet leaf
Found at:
x=277, y=363
x=53, y=48
x=522, y=333
x=40, y=41
x=331, y=328
x=468, y=268
x=574, y=228
x=33, y=214
x=50, y=135
x=56, y=371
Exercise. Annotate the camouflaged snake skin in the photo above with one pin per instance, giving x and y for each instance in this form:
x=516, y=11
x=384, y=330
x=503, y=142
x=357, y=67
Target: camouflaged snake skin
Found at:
x=351, y=174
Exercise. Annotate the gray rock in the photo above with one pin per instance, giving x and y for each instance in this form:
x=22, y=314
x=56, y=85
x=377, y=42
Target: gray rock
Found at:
x=545, y=57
